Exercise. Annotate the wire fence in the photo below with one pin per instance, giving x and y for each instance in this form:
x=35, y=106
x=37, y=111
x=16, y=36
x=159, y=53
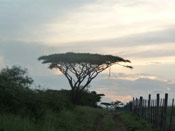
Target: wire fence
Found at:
x=155, y=111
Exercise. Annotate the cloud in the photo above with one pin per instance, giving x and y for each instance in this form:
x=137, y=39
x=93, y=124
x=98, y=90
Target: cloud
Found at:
x=120, y=98
x=117, y=88
x=103, y=21
x=26, y=55
x=27, y=20
x=143, y=48
x=57, y=22
x=127, y=88
x=132, y=77
x=50, y=81
x=146, y=40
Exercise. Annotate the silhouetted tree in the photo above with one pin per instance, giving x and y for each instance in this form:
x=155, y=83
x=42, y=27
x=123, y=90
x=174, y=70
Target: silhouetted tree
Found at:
x=14, y=83
x=90, y=98
x=117, y=104
x=106, y=104
x=15, y=77
x=80, y=68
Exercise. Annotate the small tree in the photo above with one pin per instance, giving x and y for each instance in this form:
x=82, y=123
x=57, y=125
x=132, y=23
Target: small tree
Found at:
x=14, y=88
x=106, y=104
x=117, y=104
x=15, y=77
x=80, y=68
x=90, y=98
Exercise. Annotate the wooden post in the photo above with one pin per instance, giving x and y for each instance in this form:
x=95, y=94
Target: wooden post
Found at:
x=151, y=111
x=162, y=111
x=141, y=107
x=171, y=116
x=149, y=108
x=133, y=106
x=130, y=106
x=165, y=113
x=153, y=122
x=157, y=110
x=136, y=105
x=144, y=110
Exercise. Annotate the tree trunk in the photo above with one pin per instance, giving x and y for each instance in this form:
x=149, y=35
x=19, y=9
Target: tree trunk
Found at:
x=75, y=96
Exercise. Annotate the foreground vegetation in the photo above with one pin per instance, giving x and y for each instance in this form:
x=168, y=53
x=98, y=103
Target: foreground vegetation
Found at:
x=23, y=108
x=134, y=123
x=78, y=119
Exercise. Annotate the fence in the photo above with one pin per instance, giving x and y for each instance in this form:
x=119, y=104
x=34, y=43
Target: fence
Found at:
x=155, y=111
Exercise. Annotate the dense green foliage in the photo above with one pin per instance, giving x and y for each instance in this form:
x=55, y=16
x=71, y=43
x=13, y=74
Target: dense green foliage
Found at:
x=16, y=97
x=15, y=77
x=89, y=98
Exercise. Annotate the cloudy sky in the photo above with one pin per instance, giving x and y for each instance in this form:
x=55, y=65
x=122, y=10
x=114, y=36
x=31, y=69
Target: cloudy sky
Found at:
x=142, y=31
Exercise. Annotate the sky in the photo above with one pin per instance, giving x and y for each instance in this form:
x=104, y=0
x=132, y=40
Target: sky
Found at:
x=138, y=30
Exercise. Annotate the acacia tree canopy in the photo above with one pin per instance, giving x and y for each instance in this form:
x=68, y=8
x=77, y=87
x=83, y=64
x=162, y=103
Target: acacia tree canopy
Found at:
x=81, y=68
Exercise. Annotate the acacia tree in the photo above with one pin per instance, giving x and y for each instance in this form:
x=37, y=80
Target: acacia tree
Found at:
x=117, y=104
x=80, y=68
x=106, y=104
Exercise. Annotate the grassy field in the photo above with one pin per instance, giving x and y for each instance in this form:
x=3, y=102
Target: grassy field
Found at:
x=108, y=123
x=134, y=123
x=77, y=119
x=173, y=117
x=80, y=118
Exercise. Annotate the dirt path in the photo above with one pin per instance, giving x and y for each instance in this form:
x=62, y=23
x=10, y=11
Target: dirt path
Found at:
x=98, y=123
x=119, y=123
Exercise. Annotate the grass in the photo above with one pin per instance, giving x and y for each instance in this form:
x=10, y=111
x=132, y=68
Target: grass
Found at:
x=108, y=123
x=78, y=119
x=10, y=122
x=134, y=123
x=81, y=119
x=173, y=117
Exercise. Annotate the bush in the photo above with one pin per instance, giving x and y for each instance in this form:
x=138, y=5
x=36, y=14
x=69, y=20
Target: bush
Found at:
x=16, y=97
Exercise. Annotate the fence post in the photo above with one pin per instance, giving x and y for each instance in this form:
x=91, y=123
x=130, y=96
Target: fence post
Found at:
x=151, y=111
x=149, y=108
x=165, y=113
x=133, y=106
x=145, y=109
x=153, y=108
x=141, y=107
x=162, y=111
x=137, y=105
x=171, y=116
x=157, y=110
x=130, y=106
